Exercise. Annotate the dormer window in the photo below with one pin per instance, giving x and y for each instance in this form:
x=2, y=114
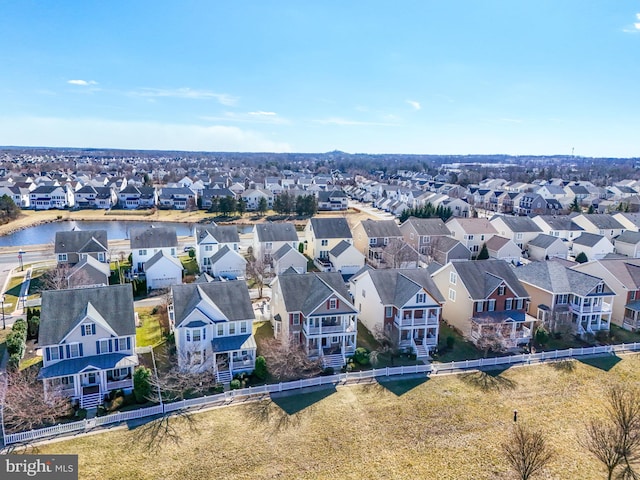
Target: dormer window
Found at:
x=333, y=303
x=421, y=298
x=88, y=329
x=600, y=288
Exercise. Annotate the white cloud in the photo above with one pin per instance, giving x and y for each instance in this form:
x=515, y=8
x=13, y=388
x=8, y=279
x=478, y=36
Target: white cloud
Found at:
x=414, y=104
x=97, y=133
x=346, y=122
x=249, y=117
x=223, y=98
x=82, y=83
x=261, y=113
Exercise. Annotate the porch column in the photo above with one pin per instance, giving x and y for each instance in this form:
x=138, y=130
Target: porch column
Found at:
x=513, y=330
x=103, y=380
x=231, y=362
x=77, y=388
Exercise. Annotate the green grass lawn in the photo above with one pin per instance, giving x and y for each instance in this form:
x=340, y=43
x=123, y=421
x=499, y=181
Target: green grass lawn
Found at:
x=149, y=333
x=462, y=349
x=189, y=264
x=3, y=338
x=444, y=427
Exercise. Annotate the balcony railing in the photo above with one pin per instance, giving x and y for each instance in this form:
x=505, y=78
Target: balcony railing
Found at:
x=115, y=385
x=321, y=330
x=603, y=308
x=408, y=322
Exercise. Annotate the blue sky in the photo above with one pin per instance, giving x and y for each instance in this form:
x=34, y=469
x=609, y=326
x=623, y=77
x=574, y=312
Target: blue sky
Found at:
x=432, y=77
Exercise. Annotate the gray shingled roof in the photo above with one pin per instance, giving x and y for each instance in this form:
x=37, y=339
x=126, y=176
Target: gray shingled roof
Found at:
x=496, y=242
x=153, y=237
x=101, y=362
x=428, y=226
x=520, y=224
x=561, y=222
x=159, y=255
x=543, y=241
x=283, y=250
x=330, y=227
x=222, y=234
x=87, y=241
x=481, y=277
x=555, y=277
x=62, y=310
x=397, y=286
x=276, y=232
x=603, y=221
x=588, y=239
x=339, y=248
x=231, y=298
x=221, y=253
x=628, y=236
x=446, y=244
x=381, y=228
x=306, y=291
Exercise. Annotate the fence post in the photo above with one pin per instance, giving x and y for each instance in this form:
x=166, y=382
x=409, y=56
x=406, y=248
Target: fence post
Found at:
x=387, y=372
x=280, y=387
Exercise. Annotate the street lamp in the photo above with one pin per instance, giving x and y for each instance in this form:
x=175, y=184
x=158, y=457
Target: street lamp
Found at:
x=4, y=325
x=20, y=254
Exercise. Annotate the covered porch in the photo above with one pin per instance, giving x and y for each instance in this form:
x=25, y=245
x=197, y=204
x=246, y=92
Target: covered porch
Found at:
x=511, y=328
x=233, y=354
x=631, y=320
x=88, y=379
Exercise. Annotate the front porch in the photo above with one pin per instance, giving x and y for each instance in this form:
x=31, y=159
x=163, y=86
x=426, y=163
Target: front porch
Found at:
x=418, y=340
x=233, y=355
x=631, y=320
x=511, y=328
x=334, y=347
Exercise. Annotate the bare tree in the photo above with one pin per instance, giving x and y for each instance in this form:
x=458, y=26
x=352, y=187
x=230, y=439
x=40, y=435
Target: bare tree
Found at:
x=399, y=254
x=25, y=405
x=387, y=346
x=615, y=440
x=490, y=340
x=288, y=360
x=527, y=451
x=257, y=272
x=55, y=278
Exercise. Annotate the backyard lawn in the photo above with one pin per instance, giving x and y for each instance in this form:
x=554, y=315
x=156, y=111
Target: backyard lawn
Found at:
x=149, y=333
x=447, y=427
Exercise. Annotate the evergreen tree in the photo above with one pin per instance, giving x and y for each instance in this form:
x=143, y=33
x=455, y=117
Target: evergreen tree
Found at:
x=581, y=258
x=575, y=206
x=262, y=206
x=241, y=206
x=484, y=253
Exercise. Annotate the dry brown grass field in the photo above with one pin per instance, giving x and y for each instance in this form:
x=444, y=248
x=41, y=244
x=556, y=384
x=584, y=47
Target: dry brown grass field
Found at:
x=446, y=427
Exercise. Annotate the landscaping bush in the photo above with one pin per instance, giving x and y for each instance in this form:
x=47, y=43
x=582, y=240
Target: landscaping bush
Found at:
x=33, y=325
x=260, y=370
x=20, y=326
x=328, y=371
x=81, y=414
x=235, y=384
x=542, y=336
x=361, y=356
x=142, y=384
x=14, y=362
x=15, y=343
x=451, y=340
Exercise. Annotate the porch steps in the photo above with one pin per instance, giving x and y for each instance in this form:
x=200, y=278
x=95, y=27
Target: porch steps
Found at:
x=91, y=401
x=224, y=376
x=421, y=351
x=334, y=361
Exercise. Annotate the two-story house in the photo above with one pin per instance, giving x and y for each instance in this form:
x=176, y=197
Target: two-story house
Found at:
x=484, y=298
x=622, y=275
x=521, y=230
x=423, y=233
x=471, y=232
x=88, y=342
x=271, y=237
x=253, y=197
x=179, y=198
x=333, y=200
x=402, y=304
x=373, y=237
x=95, y=197
x=213, y=326
x=145, y=242
x=561, y=226
x=315, y=311
x=72, y=246
x=210, y=239
x=133, y=197
x=566, y=299
x=46, y=197
x=321, y=235
x=599, y=224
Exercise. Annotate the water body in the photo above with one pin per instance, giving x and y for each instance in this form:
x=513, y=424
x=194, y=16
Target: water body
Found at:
x=116, y=230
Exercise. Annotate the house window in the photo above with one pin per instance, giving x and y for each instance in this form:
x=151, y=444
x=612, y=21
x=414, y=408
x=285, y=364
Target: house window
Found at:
x=475, y=248
x=54, y=353
x=101, y=257
x=333, y=303
x=220, y=329
x=372, y=241
x=196, y=335
x=243, y=327
x=600, y=288
x=62, y=257
x=296, y=319
x=324, y=243
x=452, y=295
x=421, y=298
x=188, y=333
x=453, y=278
x=232, y=328
x=519, y=304
x=388, y=311
x=268, y=246
x=104, y=346
x=501, y=289
x=385, y=241
x=74, y=350
x=88, y=329
x=142, y=252
x=122, y=343
x=479, y=306
x=208, y=248
x=492, y=305
x=508, y=304
x=518, y=236
x=632, y=295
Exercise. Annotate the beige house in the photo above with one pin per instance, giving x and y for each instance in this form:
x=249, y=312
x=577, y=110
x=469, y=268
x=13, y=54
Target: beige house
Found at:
x=484, y=298
x=471, y=232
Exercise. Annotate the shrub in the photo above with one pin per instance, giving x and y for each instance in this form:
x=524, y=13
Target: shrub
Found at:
x=361, y=356
x=81, y=414
x=235, y=384
x=451, y=340
x=142, y=384
x=261, y=368
x=328, y=371
x=542, y=336
x=33, y=327
x=15, y=343
x=13, y=364
x=20, y=326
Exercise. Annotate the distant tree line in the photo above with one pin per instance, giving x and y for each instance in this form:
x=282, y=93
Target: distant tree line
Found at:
x=427, y=211
x=228, y=205
x=303, y=205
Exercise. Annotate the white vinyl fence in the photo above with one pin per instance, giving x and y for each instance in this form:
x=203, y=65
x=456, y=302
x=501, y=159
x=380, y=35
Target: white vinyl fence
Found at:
x=338, y=379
